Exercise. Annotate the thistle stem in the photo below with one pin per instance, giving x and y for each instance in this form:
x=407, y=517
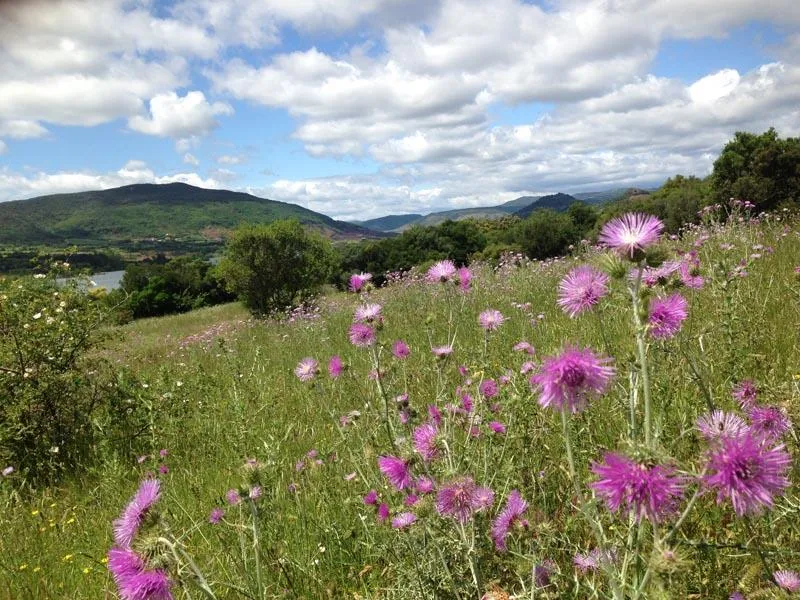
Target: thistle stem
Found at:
x=641, y=347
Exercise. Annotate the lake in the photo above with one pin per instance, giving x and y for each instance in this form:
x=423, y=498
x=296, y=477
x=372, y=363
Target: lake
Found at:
x=110, y=280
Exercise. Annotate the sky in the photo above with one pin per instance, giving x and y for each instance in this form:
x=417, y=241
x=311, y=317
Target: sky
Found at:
x=362, y=108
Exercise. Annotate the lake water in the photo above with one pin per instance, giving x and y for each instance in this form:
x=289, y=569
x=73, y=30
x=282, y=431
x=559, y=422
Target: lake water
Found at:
x=108, y=279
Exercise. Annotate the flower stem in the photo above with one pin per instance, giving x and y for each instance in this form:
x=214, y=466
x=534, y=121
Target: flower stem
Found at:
x=641, y=347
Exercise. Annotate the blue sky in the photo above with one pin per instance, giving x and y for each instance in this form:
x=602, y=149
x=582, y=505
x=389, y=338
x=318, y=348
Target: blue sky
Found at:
x=359, y=108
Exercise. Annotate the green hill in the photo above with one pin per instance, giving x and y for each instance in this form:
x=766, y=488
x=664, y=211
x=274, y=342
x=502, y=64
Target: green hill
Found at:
x=172, y=211
x=389, y=222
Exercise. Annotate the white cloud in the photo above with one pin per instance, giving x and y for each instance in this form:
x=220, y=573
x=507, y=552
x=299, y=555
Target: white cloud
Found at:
x=227, y=159
x=3, y=147
x=14, y=186
x=21, y=129
x=190, y=159
x=176, y=117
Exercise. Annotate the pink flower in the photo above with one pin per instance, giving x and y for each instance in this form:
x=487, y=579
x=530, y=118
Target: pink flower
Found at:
x=127, y=525
x=491, y=319
x=459, y=499
x=134, y=580
x=464, y=277
x=358, y=281
x=581, y=289
x=745, y=393
x=383, y=512
x=788, y=580
x=667, y=316
x=395, y=470
x=642, y=490
x=306, y=369
x=442, y=271
x=510, y=515
x=400, y=349
x=497, y=427
x=631, y=232
x=567, y=381
x=488, y=388
x=748, y=471
x=426, y=441
x=216, y=515
x=721, y=425
x=442, y=351
x=523, y=346
x=371, y=498
x=362, y=335
x=368, y=313
x=335, y=366
x=403, y=520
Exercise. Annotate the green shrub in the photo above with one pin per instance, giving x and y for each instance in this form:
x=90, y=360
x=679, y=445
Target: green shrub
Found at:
x=55, y=394
x=272, y=266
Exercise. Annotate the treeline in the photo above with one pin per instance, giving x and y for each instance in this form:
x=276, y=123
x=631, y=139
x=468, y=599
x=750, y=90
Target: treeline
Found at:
x=271, y=266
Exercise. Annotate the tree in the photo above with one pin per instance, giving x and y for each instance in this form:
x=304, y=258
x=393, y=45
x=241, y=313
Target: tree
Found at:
x=273, y=266
x=544, y=233
x=763, y=169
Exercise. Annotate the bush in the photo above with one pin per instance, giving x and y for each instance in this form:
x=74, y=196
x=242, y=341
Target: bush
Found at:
x=55, y=396
x=273, y=266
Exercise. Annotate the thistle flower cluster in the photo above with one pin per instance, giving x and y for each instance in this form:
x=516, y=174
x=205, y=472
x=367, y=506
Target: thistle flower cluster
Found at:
x=135, y=579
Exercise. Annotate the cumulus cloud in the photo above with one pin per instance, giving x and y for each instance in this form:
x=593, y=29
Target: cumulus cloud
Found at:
x=21, y=129
x=176, y=117
x=15, y=186
x=190, y=159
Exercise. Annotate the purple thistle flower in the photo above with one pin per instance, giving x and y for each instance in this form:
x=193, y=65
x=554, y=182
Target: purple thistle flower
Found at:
x=511, y=514
x=526, y=367
x=497, y=427
x=216, y=515
x=721, y=425
x=769, y=421
x=134, y=581
x=581, y=289
x=306, y=369
x=652, y=276
x=362, y=335
x=163, y=453
x=459, y=499
x=442, y=351
x=367, y=313
x=410, y=500
x=639, y=489
x=488, y=388
x=442, y=271
x=491, y=319
x=435, y=414
x=371, y=498
x=631, y=232
x=424, y=485
x=335, y=366
x=8, y=471
x=745, y=393
x=233, y=497
x=400, y=349
x=464, y=276
x=542, y=573
x=787, y=580
x=395, y=470
x=667, y=316
x=404, y=519
x=483, y=498
x=585, y=562
x=163, y=469
x=748, y=472
x=736, y=596
x=689, y=278
x=569, y=380
x=523, y=346
x=426, y=441
x=256, y=492
x=135, y=512
x=383, y=512
x=467, y=404
x=357, y=281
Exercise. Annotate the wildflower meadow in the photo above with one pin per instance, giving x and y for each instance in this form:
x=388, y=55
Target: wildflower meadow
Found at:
x=618, y=423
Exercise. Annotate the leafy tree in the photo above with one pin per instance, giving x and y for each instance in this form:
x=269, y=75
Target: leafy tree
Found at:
x=763, y=169
x=165, y=287
x=544, y=233
x=272, y=266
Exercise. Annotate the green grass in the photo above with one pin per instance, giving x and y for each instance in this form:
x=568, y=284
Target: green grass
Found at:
x=215, y=406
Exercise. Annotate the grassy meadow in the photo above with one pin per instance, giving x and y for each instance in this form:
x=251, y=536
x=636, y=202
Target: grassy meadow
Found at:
x=220, y=389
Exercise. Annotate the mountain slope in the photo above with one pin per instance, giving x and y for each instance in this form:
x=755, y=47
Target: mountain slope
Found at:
x=150, y=211
x=558, y=202
x=389, y=222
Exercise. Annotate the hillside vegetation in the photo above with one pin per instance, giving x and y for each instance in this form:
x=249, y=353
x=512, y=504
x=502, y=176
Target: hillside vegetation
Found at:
x=150, y=211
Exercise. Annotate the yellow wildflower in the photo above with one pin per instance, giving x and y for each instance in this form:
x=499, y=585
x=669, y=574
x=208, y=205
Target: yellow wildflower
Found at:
x=68, y=557
x=23, y=566
x=34, y=512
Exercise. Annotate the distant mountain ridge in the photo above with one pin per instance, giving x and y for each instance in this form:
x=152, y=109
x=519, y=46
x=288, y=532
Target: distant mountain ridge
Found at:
x=521, y=207
x=151, y=211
